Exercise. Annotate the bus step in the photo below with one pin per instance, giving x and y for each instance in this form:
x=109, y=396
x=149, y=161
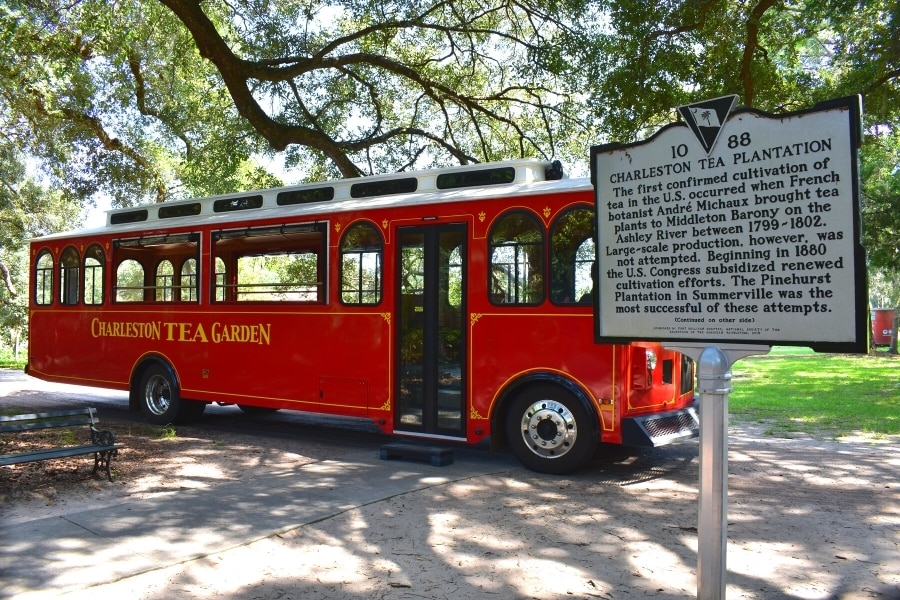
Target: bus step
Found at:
x=437, y=457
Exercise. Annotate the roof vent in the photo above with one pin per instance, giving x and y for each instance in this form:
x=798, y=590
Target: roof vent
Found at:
x=554, y=171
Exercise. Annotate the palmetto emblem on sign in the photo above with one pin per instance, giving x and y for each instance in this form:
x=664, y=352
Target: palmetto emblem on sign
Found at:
x=707, y=118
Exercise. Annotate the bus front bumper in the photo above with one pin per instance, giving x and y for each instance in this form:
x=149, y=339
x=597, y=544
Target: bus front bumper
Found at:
x=662, y=428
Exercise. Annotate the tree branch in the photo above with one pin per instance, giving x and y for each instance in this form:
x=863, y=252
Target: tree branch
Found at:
x=7, y=280
x=94, y=125
x=236, y=72
x=349, y=56
x=751, y=47
x=140, y=92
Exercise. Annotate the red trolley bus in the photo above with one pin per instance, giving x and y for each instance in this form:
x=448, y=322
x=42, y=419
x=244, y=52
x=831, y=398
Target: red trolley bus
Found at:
x=451, y=303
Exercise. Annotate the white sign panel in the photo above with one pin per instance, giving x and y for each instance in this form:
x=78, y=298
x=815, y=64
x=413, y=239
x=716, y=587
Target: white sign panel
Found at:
x=739, y=231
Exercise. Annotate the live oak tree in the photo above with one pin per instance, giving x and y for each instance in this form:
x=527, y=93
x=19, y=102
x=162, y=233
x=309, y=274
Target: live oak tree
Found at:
x=112, y=98
x=27, y=209
x=358, y=87
x=144, y=99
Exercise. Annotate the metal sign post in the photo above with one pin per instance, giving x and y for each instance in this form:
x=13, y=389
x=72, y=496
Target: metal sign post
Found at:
x=714, y=384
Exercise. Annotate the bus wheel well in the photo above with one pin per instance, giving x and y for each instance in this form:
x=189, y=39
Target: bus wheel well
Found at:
x=548, y=422
x=499, y=440
x=158, y=392
x=137, y=375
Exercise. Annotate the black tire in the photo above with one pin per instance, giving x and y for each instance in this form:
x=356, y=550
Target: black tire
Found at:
x=550, y=430
x=160, y=398
x=191, y=410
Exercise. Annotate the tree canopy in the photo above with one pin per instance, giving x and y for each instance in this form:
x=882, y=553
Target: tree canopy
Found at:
x=158, y=99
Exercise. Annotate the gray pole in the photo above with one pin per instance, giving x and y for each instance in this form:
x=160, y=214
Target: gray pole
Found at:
x=713, y=386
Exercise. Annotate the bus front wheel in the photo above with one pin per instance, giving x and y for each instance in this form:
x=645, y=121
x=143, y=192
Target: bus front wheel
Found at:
x=550, y=430
x=161, y=401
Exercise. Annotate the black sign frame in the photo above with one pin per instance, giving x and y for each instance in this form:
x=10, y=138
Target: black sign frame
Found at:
x=840, y=316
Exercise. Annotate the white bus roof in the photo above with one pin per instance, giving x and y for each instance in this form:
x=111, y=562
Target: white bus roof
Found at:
x=453, y=184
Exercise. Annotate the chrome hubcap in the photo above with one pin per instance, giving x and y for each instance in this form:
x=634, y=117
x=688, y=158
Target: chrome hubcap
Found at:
x=548, y=429
x=157, y=395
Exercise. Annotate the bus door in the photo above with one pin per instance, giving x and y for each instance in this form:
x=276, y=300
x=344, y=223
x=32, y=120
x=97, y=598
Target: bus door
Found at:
x=431, y=345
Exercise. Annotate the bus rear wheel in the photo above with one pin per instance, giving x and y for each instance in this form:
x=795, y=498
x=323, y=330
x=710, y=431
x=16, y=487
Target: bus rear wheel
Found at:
x=550, y=430
x=161, y=401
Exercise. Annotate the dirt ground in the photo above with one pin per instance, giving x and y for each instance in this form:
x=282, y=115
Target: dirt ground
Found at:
x=807, y=518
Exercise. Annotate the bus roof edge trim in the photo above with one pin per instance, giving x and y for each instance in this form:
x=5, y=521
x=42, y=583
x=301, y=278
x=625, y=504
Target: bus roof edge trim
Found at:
x=430, y=180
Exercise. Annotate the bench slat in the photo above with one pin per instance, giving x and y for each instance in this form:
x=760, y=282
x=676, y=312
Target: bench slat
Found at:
x=46, y=420
x=61, y=418
x=35, y=425
x=55, y=413
x=38, y=455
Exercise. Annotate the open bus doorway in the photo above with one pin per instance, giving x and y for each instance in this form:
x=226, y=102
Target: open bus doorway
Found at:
x=431, y=353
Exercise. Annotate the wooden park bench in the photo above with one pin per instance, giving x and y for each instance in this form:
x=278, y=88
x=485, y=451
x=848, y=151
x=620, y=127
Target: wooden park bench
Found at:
x=102, y=445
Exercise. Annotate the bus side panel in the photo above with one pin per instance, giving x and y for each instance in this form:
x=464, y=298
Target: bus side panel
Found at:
x=63, y=348
x=277, y=359
x=508, y=345
x=293, y=360
x=655, y=380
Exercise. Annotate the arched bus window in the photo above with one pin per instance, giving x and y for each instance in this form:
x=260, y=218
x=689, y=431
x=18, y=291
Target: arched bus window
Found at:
x=572, y=254
x=165, y=281
x=362, y=248
x=43, y=279
x=189, y=281
x=130, y=281
x=69, y=276
x=219, y=284
x=146, y=265
x=94, y=261
x=517, y=260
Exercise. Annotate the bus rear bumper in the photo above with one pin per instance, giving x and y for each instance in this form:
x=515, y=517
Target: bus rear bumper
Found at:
x=662, y=428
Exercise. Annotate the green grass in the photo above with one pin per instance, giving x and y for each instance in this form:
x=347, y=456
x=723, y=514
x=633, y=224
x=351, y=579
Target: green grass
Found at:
x=794, y=390
x=8, y=362
x=166, y=432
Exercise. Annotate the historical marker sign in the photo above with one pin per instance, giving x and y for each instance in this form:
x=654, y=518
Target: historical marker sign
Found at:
x=735, y=227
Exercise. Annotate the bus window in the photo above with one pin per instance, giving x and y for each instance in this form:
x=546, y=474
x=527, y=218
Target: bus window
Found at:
x=165, y=281
x=130, y=281
x=455, y=277
x=43, y=279
x=219, y=284
x=94, y=261
x=361, y=259
x=69, y=267
x=272, y=264
x=189, y=281
x=517, y=260
x=146, y=266
x=572, y=253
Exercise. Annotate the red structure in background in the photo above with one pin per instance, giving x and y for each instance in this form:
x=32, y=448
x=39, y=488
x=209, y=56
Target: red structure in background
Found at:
x=882, y=326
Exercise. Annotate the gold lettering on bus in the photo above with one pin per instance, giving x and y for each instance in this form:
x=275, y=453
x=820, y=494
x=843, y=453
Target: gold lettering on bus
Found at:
x=219, y=333
x=248, y=334
x=130, y=329
x=185, y=332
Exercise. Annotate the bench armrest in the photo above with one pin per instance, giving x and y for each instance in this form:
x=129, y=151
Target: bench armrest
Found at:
x=102, y=438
